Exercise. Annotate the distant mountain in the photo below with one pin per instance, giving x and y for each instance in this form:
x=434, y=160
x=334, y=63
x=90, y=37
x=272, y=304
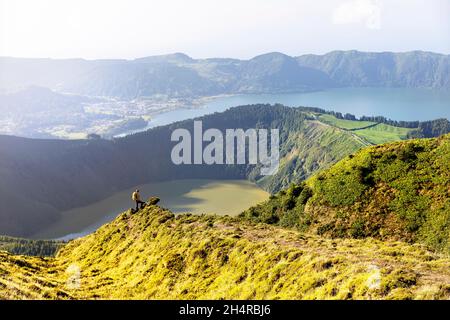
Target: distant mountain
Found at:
x=41, y=178
x=139, y=79
x=35, y=111
x=415, y=69
x=277, y=72
x=179, y=75
x=33, y=100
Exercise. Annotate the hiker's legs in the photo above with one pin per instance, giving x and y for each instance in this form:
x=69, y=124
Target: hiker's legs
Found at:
x=140, y=204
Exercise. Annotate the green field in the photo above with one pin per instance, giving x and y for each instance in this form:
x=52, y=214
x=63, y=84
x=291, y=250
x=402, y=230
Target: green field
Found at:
x=370, y=131
x=383, y=133
x=342, y=123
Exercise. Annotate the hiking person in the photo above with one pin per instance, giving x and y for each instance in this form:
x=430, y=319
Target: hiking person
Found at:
x=137, y=198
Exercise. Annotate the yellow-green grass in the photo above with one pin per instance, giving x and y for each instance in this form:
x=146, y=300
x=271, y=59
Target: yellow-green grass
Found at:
x=395, y=191
x=370, y=131
x=156, y=255
x=343, y=123
x=383, y=133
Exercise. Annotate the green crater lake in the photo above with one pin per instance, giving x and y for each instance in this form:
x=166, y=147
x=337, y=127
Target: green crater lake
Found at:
x=223, y=197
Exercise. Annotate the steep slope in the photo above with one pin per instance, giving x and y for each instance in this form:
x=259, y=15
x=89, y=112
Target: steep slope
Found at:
x=42, y=178
x=394, y=191
x=30, y=247
x=312, y=147
x=153, y=254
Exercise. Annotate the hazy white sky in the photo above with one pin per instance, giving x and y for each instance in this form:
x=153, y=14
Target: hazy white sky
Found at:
x=219, y=28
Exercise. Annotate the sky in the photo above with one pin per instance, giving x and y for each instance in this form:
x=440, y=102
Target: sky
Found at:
x=97, y=29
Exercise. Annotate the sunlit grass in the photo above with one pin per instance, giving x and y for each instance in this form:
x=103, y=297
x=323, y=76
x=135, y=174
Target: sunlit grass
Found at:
x=156, y=255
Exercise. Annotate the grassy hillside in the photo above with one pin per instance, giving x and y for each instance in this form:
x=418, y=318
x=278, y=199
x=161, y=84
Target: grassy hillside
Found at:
x=394, y=191
x=383, y=133
x=312, y=147
x=344, y=123
x=371, y=132
x=153, y=254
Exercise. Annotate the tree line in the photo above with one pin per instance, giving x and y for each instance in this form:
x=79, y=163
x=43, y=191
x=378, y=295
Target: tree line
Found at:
x=30, y=247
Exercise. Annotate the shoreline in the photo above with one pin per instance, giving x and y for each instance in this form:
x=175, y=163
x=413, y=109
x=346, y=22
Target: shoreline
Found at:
x=191, y=195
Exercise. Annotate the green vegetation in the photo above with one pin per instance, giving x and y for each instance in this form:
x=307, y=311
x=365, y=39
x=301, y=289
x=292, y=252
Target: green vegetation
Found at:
x=372, y=132
x=428, y=129
x=303, y=151
x=395, y=191
x=40, y=168
x=156, y=255
x=378, y=130
x=30, y=247
x=376, y=225
x=344, y=123
x=383, y=133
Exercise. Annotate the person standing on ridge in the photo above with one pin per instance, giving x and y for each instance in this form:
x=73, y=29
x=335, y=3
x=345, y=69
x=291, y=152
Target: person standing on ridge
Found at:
x=137, y=198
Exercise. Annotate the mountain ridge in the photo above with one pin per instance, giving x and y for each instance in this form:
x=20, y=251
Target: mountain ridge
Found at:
x=129, y=79
x=155, y=255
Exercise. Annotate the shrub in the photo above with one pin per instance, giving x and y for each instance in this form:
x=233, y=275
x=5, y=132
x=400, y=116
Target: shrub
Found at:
x=357, y=229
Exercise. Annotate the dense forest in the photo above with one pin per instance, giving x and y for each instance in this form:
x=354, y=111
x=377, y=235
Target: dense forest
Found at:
x=29, y=247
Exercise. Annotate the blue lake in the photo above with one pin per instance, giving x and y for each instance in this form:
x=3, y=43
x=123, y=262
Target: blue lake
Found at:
x=393, y=103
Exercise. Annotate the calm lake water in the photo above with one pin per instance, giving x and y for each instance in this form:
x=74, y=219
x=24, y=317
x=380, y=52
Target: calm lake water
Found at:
x=197, y=196
x=393, y=103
